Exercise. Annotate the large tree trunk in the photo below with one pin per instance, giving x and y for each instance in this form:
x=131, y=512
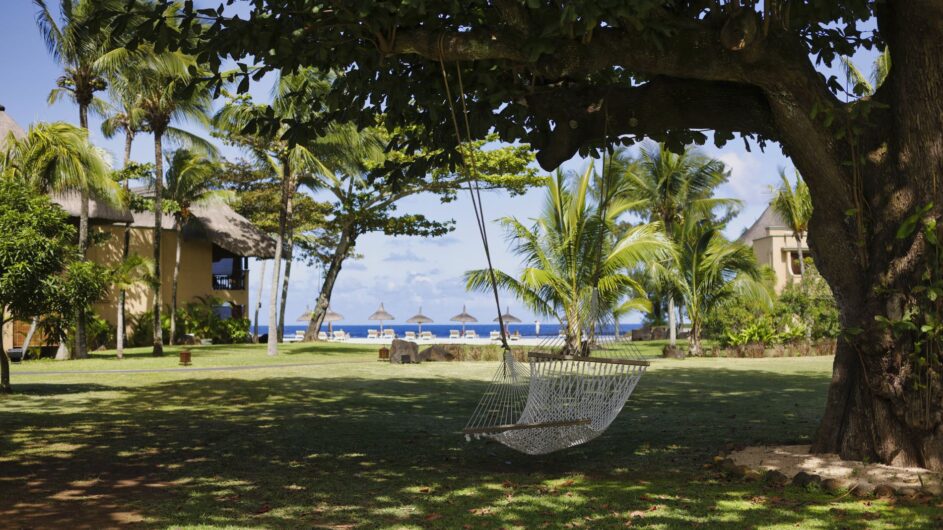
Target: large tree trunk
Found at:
x=883, y=403
x=173, y=288
x=347, y=240
x=158, y=341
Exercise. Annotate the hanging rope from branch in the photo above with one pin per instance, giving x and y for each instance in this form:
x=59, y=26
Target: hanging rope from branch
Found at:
x=471, y=174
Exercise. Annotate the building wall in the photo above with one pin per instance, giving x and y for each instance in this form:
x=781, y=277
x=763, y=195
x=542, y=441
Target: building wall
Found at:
x=195, y=280
x=774, y=250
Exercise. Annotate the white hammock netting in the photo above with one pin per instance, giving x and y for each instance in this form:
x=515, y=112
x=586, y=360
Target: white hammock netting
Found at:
x=557, y=401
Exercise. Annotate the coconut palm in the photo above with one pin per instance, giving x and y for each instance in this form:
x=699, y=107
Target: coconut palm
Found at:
x=191, y=181
x=319, y=163
x=669, y=187
x=794, y=205
x=58, y=157
x=866, y=85
x=705, y=268
x=133, y=270
x=169, y=92
x=570, y=259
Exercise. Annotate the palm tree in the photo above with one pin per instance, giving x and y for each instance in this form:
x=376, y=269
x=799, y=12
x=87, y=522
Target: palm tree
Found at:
x=58, y=157
x=191, y=181
x=794, y=205
x=867, y=85
x=570, y=258
x=130, y=271
x=169, y=92
x=668, y=188
x=77, y=46
x=316, y=163
x=705, y=269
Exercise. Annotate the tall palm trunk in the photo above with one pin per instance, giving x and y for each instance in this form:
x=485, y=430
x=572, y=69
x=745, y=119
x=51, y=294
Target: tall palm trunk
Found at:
x=801, y=257
x=81, y=339
x=258, y=303
x=173, y=288
x=672, y=325
x=277, y=268
x=158, y=215
x=125, y=250
x=289, y=255
x=5, y=387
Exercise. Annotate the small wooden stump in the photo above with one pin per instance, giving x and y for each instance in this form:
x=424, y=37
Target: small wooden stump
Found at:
x=185, y=357
x=384, y=354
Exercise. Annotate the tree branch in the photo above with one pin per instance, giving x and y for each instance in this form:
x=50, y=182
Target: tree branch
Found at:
x=577, y=116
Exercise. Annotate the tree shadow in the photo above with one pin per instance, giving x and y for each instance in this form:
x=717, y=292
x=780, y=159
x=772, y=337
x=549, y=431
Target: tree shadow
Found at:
x=288, y=452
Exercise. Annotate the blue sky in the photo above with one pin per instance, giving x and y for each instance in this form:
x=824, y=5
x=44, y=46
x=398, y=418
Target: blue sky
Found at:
x=402, y=272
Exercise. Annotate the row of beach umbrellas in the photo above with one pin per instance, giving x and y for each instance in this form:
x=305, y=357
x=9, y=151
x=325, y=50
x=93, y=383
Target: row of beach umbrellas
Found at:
x=381, y=315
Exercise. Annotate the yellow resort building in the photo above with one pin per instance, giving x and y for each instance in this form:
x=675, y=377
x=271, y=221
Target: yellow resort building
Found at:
x=216, y=244
x=774, y=245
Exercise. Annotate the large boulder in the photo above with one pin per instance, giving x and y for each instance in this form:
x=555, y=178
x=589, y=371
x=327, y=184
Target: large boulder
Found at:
x=437, y=352
x=404, y=352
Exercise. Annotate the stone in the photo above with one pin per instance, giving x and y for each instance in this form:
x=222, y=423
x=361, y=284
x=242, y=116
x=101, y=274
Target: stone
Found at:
x=728, y=466
x=863, y=489
x=932, y=490
x=883, y=491
x=672, y=352
x=776, y=478
x=438, y=353
x=836, y=485
x=907, y=493
x=404, y=352
x=803, y=479
x=752, y=475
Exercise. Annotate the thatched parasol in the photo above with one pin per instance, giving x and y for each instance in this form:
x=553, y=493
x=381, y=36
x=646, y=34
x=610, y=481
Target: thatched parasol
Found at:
x=420, y=319
x=464, y=318
x=508, y=319
x=381, y=315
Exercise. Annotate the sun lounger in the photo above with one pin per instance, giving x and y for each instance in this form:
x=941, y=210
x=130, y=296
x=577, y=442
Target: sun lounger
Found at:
x=495, y=335
x=322, y=335
x=516, y=336
x=471, y=334
x=389, y=334
x=340, y=335
x=410, y=335
x=426, y=335
x=373, y=334
x=455, y=334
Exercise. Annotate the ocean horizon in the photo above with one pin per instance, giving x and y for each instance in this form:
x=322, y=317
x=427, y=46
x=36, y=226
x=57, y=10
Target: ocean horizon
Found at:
x=442, y=330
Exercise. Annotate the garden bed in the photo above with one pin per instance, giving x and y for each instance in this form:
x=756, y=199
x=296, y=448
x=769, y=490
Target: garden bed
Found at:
x=758, y=350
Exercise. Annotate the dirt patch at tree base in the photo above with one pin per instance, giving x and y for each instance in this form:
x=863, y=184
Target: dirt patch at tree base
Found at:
x=791, y=460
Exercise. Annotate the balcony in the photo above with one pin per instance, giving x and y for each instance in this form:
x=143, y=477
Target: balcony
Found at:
x=230, y=282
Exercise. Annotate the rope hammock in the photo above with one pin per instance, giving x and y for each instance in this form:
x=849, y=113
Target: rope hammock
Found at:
x=572, y=387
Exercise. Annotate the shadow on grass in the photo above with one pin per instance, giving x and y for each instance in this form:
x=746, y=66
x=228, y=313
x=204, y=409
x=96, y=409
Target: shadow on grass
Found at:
x=305, y=452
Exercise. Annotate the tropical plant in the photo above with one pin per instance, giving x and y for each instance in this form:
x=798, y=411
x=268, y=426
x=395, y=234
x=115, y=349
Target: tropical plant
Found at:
x=794, y=206
x=58, y=157
x=706, y=269
x=861, y=84
x=570, y=259
x=132, y=270
x=191, y=181
x=169, y=92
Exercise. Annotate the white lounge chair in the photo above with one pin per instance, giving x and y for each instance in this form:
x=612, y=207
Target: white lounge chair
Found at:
x=322, y=335
x=389, y=334
x=410, y=335
x=455, y=334
x=339, y=335
x=426, y=335
x=471, y=334
x=495, y=335
x=299, y=335
x=515, y=336
x=373, y=334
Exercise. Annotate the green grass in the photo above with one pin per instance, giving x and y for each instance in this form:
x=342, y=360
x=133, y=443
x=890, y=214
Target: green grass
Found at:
x=372, y=445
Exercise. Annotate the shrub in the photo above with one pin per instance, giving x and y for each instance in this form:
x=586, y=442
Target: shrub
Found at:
x=812, y=302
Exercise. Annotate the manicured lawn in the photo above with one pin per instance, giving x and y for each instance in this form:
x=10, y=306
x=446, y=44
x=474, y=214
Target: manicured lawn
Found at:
x=328, y=443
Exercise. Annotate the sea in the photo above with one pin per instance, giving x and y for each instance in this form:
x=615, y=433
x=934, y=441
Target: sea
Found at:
x=442, y=330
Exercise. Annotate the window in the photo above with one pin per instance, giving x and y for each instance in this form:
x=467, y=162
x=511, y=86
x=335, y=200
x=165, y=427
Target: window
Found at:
x=794, y=266
x=229, y=270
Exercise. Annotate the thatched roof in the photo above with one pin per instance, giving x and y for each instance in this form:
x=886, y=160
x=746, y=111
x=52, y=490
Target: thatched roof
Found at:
x=219, y=224
x=99, y=211
x=7, y=126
